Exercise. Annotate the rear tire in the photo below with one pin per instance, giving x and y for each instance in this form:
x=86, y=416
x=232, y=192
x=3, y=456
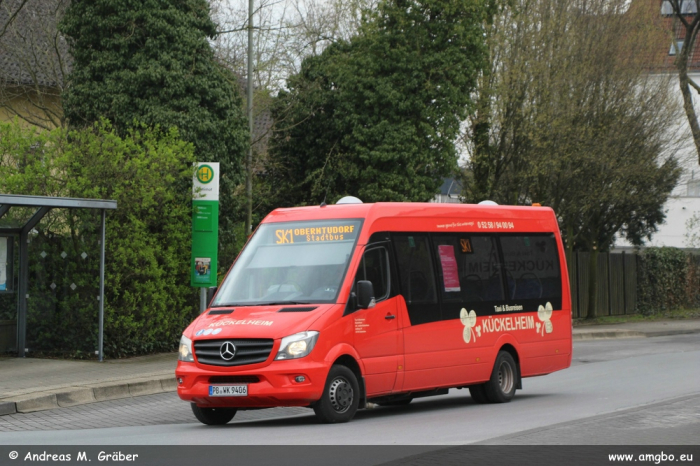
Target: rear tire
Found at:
x=504, y=379
x=341, y=396
x=213, y=416
x=478, y=394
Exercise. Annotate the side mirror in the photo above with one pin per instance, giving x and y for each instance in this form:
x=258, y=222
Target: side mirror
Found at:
x=365, y=294
x=210, y=294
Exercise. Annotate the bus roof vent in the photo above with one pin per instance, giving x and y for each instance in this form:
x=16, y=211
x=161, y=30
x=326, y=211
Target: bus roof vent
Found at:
x=349, y=200
x=488, y=203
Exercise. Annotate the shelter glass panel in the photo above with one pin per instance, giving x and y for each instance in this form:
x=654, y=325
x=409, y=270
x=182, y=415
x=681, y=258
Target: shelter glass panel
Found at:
x=64, y=280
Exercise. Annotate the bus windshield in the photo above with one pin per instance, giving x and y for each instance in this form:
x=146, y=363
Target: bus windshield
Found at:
x=291, y=263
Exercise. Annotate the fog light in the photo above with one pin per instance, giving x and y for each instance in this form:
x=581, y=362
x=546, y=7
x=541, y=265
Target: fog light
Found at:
x=179, y=380
x=300, y=378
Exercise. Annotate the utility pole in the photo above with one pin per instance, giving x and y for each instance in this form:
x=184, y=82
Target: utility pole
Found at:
x=249, y=157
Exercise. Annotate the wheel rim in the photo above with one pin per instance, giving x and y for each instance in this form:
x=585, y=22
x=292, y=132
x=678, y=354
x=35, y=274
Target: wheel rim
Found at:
x=506, y=377
x=341, y=395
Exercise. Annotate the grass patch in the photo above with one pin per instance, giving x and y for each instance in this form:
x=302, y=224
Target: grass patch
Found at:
x=664, y=315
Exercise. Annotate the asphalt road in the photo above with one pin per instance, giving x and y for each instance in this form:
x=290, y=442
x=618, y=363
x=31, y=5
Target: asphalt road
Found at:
x=617, y=392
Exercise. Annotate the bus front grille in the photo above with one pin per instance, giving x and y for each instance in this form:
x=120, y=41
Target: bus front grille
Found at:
x=233, y=352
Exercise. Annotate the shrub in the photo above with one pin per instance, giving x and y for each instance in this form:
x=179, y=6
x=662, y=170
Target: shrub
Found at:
x=667, y=279
x=148, y=300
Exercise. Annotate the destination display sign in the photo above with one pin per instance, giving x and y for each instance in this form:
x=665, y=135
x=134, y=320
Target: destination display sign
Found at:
x=312, y=232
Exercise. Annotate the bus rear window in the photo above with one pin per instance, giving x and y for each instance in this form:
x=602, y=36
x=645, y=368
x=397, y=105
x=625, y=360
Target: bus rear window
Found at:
x=531, y=264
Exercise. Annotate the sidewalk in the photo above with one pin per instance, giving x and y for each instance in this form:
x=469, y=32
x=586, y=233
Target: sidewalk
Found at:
x=28, y=384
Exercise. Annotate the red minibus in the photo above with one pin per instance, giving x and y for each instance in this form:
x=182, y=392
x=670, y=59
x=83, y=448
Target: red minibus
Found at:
x=336, y=306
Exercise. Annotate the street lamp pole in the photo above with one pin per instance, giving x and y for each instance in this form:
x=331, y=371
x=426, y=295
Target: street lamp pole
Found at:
x=249, y=157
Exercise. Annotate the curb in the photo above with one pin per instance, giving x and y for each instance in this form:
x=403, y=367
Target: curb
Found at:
x=617, y=333
x=80, y=396
x=86, y=393
x=607, y=335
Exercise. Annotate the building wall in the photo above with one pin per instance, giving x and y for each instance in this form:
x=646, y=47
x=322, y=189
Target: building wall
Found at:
x=685, y=198
x=40, y=107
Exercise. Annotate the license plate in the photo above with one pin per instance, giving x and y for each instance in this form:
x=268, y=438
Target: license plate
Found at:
x=228, y=390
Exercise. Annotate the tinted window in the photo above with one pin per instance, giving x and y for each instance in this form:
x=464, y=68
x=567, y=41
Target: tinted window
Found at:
x=415, y=268
x=531, y=264
x=375, y=268
x=469, y=268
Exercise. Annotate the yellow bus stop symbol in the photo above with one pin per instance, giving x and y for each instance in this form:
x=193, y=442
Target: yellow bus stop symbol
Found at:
x=205, y=174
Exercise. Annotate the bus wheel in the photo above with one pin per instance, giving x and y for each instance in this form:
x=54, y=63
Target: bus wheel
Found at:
x=341, y=396
x=213, y=416
x=501, y=387
x=478, y=393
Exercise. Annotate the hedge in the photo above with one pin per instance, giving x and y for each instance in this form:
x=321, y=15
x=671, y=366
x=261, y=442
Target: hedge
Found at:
x=148, y=300
x=667, y=279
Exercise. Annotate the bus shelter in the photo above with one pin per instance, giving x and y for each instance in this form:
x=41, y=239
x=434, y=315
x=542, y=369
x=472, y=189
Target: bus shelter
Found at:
x=19, y=216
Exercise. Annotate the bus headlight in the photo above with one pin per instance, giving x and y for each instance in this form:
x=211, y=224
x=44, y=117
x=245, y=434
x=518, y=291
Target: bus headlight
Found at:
x=185, y=351
x=297, y=345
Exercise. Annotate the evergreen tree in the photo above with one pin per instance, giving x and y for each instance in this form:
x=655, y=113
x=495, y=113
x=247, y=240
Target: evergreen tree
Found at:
x=377, y=117
x=150, y=62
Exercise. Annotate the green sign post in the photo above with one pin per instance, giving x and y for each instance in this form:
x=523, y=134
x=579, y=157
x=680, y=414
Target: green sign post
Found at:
x=205, y=227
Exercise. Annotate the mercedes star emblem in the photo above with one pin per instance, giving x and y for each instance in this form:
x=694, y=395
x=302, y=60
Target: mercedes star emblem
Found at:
x=227, y=351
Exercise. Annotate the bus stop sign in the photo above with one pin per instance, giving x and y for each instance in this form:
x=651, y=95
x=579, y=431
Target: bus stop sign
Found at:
x=205, y=225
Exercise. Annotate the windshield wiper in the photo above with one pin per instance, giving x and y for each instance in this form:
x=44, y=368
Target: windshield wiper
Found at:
x=275, y=303
x=282, y=303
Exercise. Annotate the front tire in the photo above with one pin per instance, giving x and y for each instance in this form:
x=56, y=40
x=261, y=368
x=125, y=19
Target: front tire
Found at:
x=341, y=396
x=213, y=416
x=504, y=379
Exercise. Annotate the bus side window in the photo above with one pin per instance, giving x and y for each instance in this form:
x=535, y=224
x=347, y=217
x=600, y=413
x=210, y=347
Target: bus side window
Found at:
x=374, y=267
x=416, y=276
x=531, y=263
x=470, y=268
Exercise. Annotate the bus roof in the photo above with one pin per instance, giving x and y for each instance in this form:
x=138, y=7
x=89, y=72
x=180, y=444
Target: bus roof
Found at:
x=396, y=211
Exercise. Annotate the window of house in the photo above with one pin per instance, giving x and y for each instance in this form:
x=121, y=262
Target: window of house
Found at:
x=666, y=8
x=689, y=7
x=676, y=47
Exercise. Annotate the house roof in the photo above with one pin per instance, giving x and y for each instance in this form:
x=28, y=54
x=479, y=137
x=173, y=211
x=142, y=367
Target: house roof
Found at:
x=450, y=187
x=662, y=57
x=32, y=52
x=262, y=118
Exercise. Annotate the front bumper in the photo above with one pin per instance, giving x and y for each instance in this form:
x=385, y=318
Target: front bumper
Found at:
x=276, y=385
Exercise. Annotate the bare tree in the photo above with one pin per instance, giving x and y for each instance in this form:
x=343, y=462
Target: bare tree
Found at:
x=286, y=32
x=569, y=116
x=685, y=30
x=34, y=61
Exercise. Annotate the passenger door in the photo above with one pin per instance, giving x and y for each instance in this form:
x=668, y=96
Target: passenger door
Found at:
x=442, y=278
x=377, y=335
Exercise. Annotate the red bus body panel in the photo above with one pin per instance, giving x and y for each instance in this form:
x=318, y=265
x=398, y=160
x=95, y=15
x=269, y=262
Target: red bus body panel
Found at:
x=392, y=355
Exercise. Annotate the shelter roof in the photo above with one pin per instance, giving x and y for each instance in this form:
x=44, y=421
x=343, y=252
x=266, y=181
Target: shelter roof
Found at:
x=42, y=204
